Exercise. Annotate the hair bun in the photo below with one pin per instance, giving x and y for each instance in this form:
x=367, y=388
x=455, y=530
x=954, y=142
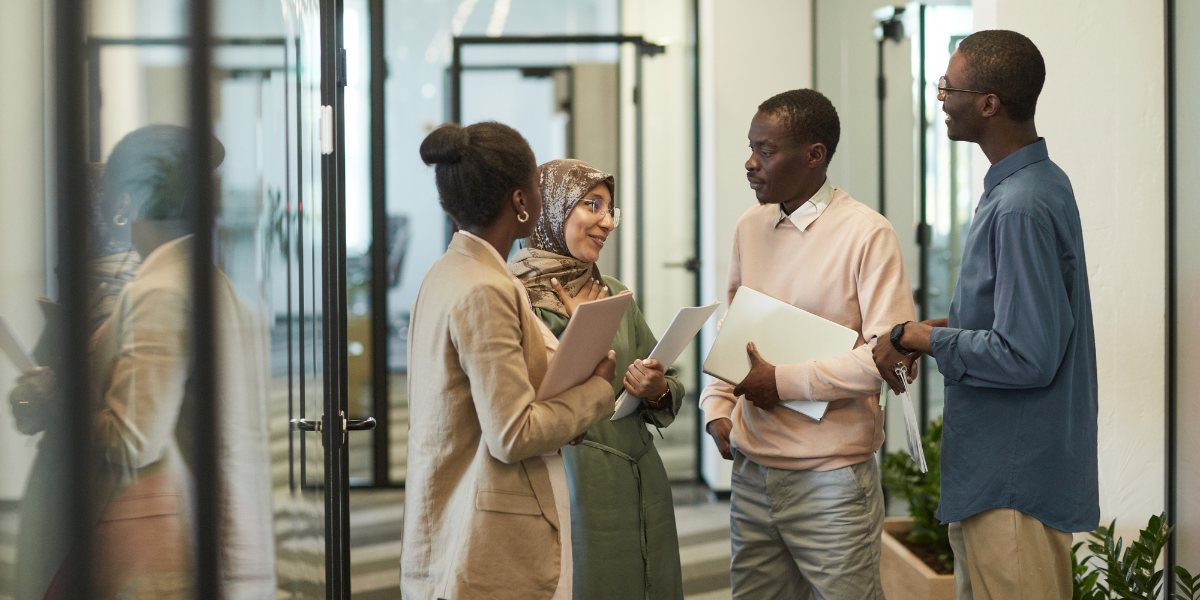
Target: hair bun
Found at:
x=445, y=145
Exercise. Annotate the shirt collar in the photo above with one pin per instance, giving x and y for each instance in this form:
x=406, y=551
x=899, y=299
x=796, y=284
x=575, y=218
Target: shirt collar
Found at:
x=1035, y=152
x=808, y=212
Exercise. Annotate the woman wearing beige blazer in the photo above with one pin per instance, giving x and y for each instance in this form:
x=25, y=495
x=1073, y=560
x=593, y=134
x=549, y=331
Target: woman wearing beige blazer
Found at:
x=486, y=511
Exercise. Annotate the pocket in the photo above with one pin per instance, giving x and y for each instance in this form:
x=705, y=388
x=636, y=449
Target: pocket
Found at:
x=507, y=502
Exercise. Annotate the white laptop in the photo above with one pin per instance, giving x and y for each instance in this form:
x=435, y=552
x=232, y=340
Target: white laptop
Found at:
x=783, y=334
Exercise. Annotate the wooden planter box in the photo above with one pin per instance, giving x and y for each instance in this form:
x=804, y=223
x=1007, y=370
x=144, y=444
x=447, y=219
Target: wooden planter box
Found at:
x=906, y=577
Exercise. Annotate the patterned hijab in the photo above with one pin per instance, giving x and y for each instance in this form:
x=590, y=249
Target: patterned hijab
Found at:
x=563, y=183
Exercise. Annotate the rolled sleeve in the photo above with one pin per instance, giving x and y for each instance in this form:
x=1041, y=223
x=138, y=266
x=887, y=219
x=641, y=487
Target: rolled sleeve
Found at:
x=944, y=343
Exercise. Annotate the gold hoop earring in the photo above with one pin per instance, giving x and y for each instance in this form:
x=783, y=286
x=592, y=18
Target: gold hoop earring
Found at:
x=523, y=217
x=120, y=221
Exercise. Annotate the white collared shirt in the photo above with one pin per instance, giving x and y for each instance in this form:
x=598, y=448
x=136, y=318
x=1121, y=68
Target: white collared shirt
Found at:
x=809, y=211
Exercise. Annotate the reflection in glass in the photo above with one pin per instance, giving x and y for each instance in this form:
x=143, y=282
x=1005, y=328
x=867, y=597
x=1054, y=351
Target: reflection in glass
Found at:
x=266, y=299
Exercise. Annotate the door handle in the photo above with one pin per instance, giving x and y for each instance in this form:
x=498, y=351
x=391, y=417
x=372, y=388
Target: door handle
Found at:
x=347, y=425
x=308, y=424
x=366, y=424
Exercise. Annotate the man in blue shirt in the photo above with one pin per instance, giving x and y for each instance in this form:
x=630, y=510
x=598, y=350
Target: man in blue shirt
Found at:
x=1019, y=471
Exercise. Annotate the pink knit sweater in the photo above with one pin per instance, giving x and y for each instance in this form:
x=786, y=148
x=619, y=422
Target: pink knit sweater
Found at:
x=846, y=266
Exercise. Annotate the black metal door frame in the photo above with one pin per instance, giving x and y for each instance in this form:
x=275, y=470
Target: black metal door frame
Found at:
x=643, y=48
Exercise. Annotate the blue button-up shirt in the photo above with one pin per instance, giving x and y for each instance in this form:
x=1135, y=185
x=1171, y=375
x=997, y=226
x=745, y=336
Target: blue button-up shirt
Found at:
x=1019, y=355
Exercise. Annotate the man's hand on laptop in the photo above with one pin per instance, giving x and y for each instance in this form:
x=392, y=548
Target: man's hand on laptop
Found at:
x=759, y=385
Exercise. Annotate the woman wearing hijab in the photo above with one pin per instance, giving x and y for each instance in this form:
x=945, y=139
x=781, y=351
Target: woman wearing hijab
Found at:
x=486, y=515
x=622, y=518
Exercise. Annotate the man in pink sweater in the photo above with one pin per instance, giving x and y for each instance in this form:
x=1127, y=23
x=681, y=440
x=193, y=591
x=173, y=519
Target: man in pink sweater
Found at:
x=807, y=508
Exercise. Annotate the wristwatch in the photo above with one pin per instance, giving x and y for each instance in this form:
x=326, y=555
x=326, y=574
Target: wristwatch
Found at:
x=897, y=333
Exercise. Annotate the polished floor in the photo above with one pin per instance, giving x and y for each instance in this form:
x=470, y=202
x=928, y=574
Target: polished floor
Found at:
x=375, y=519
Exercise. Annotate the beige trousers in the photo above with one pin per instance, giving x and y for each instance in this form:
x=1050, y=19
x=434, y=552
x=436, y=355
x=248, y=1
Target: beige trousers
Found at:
x=1003, y=554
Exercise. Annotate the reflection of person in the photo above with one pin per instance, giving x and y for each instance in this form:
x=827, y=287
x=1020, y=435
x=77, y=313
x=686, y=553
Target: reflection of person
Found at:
x=1019, y=464
x=622, y=518
x=486, y=515
x=807, y=508
x=140, y=364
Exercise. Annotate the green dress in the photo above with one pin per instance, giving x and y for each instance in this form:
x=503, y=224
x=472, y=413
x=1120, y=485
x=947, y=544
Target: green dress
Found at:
x=623, y=536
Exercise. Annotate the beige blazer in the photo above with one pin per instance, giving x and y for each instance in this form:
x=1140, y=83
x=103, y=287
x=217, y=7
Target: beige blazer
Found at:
x=479, y=517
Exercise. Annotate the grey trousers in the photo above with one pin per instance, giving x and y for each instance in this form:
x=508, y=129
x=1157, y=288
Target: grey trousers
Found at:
x=799, y=535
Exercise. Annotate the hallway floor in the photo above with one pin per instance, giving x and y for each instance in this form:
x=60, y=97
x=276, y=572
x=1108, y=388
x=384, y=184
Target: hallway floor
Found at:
x=375, y=519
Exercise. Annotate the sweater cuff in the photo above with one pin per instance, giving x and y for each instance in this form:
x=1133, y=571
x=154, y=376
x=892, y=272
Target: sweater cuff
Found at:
x=943, y=342
x=791, y=381
x=715, y=407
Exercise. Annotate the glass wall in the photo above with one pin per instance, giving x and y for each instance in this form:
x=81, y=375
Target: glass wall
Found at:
x=151, y=415
x=562, y=98
x=947, y=199
x=1186, y=252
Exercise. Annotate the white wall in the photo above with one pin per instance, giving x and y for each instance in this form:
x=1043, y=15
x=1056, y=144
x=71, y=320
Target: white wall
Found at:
x=748, y=53
x=22, y=271
x=1102, y=114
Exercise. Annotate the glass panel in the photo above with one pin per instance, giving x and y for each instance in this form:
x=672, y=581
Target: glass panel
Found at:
x=948, y=199
x=266, y=82
x=33, y=441
x=1187, y=273
x=357, y=98
x=141, y=456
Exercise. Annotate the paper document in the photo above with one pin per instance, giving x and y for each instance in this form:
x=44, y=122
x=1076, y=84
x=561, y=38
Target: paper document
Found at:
x=684, y=327
x=911, y=426
x=14, y=346
x=588, y=337
x=784, y=335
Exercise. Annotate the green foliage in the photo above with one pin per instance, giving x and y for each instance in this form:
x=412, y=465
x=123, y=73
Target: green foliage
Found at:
x=922, y=491
x=1128, y=573
x=1187, y=583
x=1086, y=584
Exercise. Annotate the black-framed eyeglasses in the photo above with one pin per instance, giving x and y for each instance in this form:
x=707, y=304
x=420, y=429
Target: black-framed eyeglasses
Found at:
x=599, y=209
x=944, y=86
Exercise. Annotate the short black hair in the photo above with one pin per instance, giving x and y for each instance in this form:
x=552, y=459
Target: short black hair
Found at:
x=810, y=115
x=478, y=167
x=1007, y=64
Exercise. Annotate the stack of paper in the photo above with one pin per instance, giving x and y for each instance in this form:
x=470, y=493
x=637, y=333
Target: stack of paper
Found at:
x=684, y=327
x=911, y=425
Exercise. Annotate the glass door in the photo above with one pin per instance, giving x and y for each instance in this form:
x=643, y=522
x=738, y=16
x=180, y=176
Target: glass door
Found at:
x=175, y=326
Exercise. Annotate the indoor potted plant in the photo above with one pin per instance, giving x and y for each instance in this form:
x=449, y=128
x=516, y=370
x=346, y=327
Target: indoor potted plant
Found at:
x=917, y=563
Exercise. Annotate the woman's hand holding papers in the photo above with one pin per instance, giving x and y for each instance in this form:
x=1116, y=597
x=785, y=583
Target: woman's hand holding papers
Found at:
x=592, y=290
x=646, y=379
x=759, y=385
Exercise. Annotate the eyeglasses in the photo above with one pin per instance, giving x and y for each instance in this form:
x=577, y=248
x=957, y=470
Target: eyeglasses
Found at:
x=944, y=86
x=598, y=209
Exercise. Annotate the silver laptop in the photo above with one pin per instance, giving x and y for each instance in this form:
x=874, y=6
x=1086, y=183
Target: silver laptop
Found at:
x=783, y=334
